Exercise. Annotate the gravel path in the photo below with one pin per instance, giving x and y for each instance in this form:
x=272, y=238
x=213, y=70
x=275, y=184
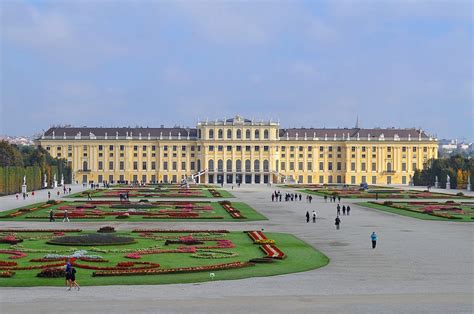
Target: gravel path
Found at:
x=418, y=267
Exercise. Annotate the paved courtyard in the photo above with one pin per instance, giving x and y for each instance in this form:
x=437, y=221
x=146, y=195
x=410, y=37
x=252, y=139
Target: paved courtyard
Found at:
x=418, y=267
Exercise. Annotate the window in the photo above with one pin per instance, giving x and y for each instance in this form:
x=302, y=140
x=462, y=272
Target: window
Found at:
x=321, y=179
x=339, y=149
x=364, y=179
x=101, y=166
x=247, y=134
x=404, y=149
x=122, y=165
x=257, y=134
x=122, y=147
x=165, y=165
x=210, y=164
x=363, y=166
x=265, y=134
x=101, y=147
x=404, y=166
x=247, y=165
x=414, y=166
x=229, y=148
x=321, y=148
x=265, y=148
x=135, y=165
x=229, y=134
x=310, y=179
x=111, y=147
x=211, y=134
x=321, y=166
x=389, y=166
x=165, y=148
x=374, y=166
x=310, y=166
x=220, y=134
x=330, y=148
x=425, y=149
x=111, y=165
x=374, y=179
x=175, y=148
x=153, y=147
x=183, y=148
x=363, y=149
x=353, y=180
x=257, y=148
x=292, y=148
x=404, y=180
x=239, y=134
x=292, y=166
x=238, y=164
x=329, y=165
x=283, y=166
x=353, y=149
x=135, y=148
x=247, y=148
x=229, y=165
x=193, y=165
x=175, y=165
x=414, y=149
x=339, y=166
x=256, y=165
x=300, y=148
x=220, y=148
x=238, y=148
x=211, y=148
x=266, y=167
x=183, y=165
x=353, y=166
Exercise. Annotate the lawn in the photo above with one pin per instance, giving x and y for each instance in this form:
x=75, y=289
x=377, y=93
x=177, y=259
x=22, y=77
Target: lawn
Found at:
x=154, y=192
x=379, y=193
x=444, y=211
x=102, y=210
x=238, y=247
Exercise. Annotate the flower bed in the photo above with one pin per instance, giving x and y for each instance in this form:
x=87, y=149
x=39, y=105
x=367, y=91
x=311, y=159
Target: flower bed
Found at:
x=233, y=265
x=272, y=251
x=6, y=274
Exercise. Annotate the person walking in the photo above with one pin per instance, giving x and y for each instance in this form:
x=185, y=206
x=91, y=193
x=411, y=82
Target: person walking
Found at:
x=66, y=218
x=339, y=199
x=343, y=210
x=314, y=216
x=89, y=198
x=348, y=210
x=68, y=274
x=51, y=216
x=17, y=196
x=325, y=198
x=72, y=280
x=338, y=223
x=273, y=197
x=307, y=217
x=373, y=237
x=33, y=193
x=338, y=210
x=49, y=195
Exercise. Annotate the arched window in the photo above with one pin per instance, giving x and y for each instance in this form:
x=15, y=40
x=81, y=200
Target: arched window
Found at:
x=389, y=166
x=256, y=165
x=199, y=133
x=247, y=134
x=84, y=165
x=211, y=134
x=265, y=165
x=229, y=165
x=265, y=134
x=220, y=165
x=199, y=165
x=247, y=165
x=229, y=134
x=238, y=165
x=257, y=134
x=239, y=134
x=220, y=134
x=210, y=167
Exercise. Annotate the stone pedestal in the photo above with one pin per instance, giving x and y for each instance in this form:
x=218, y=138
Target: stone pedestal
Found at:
x=23, y=188
x=448, y=185
x=55, y=184
x=469, y=187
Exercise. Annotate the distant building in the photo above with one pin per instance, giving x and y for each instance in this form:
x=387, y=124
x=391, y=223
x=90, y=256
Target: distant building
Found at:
x=240, y=150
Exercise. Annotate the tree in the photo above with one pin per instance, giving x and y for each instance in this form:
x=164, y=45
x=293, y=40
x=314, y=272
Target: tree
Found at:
x=10, y=156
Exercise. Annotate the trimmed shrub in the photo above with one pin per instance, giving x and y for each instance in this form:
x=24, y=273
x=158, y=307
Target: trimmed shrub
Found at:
x=460, y=194
x=106, y=229
x=388, y=203
x=52, y=273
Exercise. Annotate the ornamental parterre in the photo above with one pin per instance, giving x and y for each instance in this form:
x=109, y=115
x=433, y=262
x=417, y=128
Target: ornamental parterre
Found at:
x=179, y=250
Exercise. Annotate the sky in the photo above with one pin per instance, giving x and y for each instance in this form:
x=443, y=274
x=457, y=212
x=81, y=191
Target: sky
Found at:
x=304, y=63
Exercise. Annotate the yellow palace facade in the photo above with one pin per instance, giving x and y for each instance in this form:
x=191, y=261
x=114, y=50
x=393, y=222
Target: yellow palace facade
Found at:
x=239, y=150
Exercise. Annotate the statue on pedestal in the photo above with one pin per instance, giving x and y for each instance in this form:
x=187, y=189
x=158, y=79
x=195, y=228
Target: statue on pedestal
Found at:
x=45, y=181
x=436, y=182
x=448, y=182
x=62, y=179
x=23, y=187
x=469, y=183
x=55, y=182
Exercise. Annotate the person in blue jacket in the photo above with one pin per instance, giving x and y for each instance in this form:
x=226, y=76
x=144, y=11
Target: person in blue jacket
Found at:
x=373, y=236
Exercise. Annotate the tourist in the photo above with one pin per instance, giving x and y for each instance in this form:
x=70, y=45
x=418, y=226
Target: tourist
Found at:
x=273, y=197
x=325, y=198
x=307, y=216
x=338, y=210
x=338, y=223
x=339, y=199
x=373, y=236
x=66, y=217
x=68, y=274
x=24, y=196
x=58, y=193
x=70, y=190
x=310, y=199
x=348, y=210
x=51, y=216
x=17, y=196
x=33, y=193
x=49, y=195
x=300, y=196
x=314, y=216
x=280, y=197
x=89, y=198
x=72, y=280
x=343, y=210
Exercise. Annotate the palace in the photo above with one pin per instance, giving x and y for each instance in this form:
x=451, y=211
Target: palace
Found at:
x=240, y=150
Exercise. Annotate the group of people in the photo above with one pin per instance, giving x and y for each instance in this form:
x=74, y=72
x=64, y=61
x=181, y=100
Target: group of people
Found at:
x=332, y=198
x=277, y=197
x=65, y=216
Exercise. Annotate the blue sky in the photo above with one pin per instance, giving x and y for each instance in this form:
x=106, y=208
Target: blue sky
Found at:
x=313, y=64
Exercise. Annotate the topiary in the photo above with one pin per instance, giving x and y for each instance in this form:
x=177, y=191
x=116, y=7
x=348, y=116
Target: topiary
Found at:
x=52, y=273
x=460, y=194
